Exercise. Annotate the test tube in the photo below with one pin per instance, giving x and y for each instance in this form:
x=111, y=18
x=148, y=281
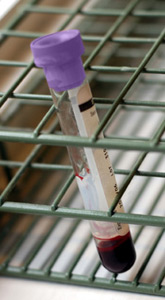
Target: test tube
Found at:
x=59, y=54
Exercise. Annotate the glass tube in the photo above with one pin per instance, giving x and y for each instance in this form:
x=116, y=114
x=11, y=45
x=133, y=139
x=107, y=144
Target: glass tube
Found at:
x=95, y=177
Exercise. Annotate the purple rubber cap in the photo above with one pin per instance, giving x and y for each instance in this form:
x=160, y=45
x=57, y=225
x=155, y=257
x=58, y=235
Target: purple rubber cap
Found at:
x=59, y=54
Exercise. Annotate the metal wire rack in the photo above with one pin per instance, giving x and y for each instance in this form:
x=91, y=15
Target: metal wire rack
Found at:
x=42, y=218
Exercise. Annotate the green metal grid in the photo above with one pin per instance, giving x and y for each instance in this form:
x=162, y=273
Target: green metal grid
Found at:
x=52, y=137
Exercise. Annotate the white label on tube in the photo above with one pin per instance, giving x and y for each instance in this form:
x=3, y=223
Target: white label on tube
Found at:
x=101, y=156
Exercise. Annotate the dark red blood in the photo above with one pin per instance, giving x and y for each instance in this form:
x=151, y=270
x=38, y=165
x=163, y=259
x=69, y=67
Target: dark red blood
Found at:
x=118, y=254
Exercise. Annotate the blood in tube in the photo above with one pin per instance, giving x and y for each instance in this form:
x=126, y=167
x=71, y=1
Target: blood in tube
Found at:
x=118, y=254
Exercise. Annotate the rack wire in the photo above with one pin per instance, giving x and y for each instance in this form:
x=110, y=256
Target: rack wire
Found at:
x=42, y=217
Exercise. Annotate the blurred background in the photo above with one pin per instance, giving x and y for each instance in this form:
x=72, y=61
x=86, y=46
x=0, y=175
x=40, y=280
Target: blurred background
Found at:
x=124, y=62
